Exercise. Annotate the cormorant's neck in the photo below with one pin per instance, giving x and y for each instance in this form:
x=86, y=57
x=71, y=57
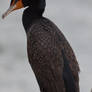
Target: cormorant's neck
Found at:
x=29, y=16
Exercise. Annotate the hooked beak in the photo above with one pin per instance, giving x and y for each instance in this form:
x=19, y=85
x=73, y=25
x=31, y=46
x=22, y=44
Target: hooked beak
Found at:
x=13, y=6
x=8, y=11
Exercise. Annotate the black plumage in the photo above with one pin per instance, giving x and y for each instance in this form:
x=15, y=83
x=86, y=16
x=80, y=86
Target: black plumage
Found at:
x=52, y=58
x=50, y=55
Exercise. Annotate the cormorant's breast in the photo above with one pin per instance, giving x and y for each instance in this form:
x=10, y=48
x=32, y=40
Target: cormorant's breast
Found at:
x=47, y=33
x=45, y=43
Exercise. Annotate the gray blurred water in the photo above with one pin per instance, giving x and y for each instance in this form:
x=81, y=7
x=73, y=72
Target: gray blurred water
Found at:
x=73, y=17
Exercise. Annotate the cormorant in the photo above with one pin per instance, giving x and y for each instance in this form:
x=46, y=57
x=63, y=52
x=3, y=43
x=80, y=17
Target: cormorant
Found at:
x=50, y=55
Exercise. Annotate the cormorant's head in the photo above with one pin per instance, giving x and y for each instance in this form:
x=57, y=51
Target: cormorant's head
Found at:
x=17, y=4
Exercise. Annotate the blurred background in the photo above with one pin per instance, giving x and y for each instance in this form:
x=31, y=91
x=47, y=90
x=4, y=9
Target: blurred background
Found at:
x=73, y=17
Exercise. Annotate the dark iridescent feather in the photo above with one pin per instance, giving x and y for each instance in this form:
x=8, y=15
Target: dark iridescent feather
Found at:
x=45, y=45
x=50, y=55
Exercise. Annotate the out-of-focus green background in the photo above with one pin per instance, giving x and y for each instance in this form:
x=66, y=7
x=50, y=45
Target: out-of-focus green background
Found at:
x=73, y=17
